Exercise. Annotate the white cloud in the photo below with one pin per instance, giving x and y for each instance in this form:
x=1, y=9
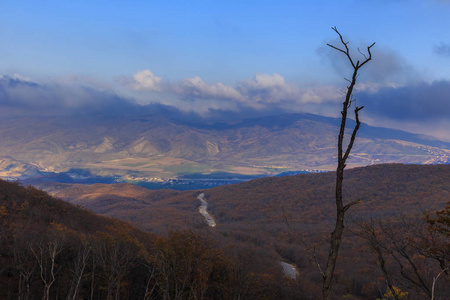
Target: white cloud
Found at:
x=146, y=80
x=262, y=92
x=264, y=89
x=196, y=87
x=22, y=78
x=263, y=81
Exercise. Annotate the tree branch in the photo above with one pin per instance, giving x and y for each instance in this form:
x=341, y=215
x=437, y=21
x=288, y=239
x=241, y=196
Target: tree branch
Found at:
x=308, y=249
x=347, y=51
x=353, y=137
x=346, y=207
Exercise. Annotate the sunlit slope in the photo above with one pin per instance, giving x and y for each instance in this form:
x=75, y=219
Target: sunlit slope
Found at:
x=155, y=146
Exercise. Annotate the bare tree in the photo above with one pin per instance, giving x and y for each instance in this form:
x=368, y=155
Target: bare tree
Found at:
x=82, y=254
x=46, y=254
x=341, y=209
x=116, y=256
x=434, y=282
x=370, y=232
x=26, y=265
x=412, y=253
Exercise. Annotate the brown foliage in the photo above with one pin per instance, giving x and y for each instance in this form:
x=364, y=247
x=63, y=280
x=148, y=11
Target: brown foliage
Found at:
x=251, y=222
x=51, y=249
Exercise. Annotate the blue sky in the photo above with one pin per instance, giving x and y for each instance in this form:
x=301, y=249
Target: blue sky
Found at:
x=238, y=56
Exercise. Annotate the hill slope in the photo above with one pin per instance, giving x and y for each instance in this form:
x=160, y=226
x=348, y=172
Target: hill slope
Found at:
x=51, y=249
x=259, y=213
x=386, y=190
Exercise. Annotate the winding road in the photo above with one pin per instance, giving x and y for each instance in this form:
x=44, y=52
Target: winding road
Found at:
x=204, y=212
x=289, y=270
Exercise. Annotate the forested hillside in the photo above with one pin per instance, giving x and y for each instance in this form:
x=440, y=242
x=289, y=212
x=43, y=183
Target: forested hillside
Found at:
x=50, y=249
x=385, y=190
x=290, y=218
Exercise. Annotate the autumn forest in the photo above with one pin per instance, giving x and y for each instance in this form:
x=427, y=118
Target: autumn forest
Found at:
x=396, y=244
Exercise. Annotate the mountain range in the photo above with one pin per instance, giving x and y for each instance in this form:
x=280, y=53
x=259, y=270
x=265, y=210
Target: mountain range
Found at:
x=153, y=146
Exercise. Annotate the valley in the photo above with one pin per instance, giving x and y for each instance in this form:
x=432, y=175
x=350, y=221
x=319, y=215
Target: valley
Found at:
x=225, y=150
x=260, y=191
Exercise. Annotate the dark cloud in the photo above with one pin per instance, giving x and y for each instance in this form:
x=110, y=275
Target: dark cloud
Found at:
x=389, y=66
x=31, y=98
x=386, y=65
x=336, y=59
x=421, y=102
x=442, y=49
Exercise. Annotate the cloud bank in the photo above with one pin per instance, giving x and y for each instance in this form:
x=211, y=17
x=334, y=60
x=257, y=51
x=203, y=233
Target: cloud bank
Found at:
x=27, y=96
x=418, y=106
x=391, y=90
x=262, y=92
x=418, y=102
x=422, y=107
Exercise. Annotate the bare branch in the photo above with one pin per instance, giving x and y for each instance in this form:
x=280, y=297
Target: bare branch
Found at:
x=355, y=130
x=434, y=282
x=336, y=48
x=370, y=55
x=290, y=228
x=347, y=51
x=308, y=249
x=362, y=53
x=351, y=204
x=313, y=252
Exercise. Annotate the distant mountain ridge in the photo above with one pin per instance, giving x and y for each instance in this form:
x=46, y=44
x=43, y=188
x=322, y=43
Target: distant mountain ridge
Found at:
x=158, y=146
x=286, y=120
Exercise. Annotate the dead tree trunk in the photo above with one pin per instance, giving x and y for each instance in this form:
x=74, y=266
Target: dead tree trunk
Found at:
x=336, y=236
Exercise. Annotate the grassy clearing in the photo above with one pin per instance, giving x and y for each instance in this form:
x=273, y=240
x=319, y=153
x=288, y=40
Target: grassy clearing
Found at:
x=189, y=168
